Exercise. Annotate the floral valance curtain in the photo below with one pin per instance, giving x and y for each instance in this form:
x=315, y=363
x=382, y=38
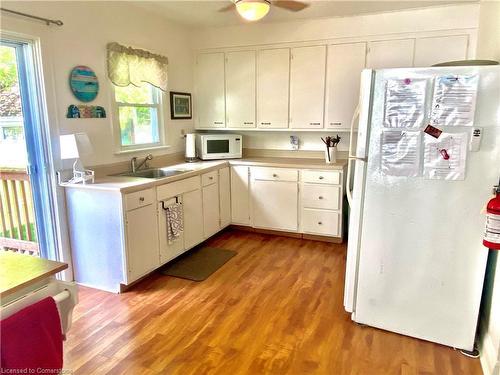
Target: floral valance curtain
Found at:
x=128, y=65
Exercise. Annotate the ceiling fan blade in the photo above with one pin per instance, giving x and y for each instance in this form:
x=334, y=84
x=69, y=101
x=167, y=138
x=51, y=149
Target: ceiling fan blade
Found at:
x=227, y=8
x=294, y=6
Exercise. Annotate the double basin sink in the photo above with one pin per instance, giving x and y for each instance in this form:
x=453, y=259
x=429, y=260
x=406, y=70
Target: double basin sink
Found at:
x=156, y=173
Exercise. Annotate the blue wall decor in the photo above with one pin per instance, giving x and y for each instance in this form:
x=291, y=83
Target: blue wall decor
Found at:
x=85, y=111
x=84, y=83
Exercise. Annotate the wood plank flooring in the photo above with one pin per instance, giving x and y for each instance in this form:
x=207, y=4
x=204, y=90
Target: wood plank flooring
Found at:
x=275, y=308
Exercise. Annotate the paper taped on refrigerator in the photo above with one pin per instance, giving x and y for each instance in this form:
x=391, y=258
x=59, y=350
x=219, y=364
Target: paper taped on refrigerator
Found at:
x=445, y=157
x=405, y=103
x=400, y=153
x=454, y=100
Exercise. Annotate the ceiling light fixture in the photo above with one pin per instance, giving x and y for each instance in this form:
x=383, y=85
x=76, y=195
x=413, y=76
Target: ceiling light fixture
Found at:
x=252, y=10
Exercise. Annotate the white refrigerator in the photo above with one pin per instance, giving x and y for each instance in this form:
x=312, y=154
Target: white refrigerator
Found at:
x=415, y=259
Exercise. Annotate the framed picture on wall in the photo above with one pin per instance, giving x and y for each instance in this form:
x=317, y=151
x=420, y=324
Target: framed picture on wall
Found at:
x=180, y=105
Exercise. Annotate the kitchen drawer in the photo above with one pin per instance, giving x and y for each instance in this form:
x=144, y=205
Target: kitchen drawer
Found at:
x=322, y=222
x=274, y=174
x=208, y=178
x=321, y=196
x=139, y=199
x=321, y=177
x=178, y=187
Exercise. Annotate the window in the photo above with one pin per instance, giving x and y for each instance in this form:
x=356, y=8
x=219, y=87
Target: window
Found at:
x=138, y=114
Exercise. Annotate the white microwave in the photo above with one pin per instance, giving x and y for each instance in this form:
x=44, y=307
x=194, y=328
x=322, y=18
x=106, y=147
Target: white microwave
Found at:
x=218, y=146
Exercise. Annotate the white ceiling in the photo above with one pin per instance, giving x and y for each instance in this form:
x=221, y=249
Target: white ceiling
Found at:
x=206, y=13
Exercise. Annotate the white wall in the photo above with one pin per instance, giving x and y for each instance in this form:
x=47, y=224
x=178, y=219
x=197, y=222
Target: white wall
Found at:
x=368, y=27
x=488, y=47
x=310, y=141
x=408, y=21
x=88, y=27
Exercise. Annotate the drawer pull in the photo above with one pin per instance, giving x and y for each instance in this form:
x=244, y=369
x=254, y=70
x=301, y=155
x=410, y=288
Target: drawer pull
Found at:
x=247, y=123
x=211, y=178
x=321, y=177
x=275, y=175
x=320, y=197
x=336, y=123
x=320, y=223
x=265, y=123
x=218, y=122
x=141, y=199
x=315, y=123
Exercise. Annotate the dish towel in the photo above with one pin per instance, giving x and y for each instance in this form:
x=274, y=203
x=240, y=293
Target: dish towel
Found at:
x=175, y=222
x=32, y=339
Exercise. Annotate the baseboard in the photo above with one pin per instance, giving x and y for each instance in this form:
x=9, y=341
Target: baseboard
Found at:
x=337, y=240
x=489, y=357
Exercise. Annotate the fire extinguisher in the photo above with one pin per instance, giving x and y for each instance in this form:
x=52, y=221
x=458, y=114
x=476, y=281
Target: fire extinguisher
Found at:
x=492, y=234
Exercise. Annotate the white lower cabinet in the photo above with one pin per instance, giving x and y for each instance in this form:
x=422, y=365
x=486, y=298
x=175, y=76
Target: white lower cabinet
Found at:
x=211, y=219
x=240, y=195
x=224, y=197
x=321, y=202
x=287, y=199
x=274, y=204
x=321, y=196
x=142, y=241
x=176, y=247
x=118, y=238
x=193, y=218
x=321, y=222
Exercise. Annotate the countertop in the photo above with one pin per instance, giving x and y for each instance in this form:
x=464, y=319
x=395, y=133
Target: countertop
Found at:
x=19, y=271
x=124, y=184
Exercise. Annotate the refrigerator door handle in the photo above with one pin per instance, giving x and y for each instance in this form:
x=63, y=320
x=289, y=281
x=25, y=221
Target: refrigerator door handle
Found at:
x=355, y=116
x=351, y=157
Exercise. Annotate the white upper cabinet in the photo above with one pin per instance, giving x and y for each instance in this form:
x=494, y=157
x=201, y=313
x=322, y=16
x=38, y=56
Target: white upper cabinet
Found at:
x=307, y=87
x=210, y=99
x=390, y=54
x=240, y=89
x=343, y=71
x=434, y=50
x=273, y=78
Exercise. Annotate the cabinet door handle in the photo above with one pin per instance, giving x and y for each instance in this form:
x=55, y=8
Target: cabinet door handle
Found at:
x=141, y=199
x=320, y=223
x=315, y=123
x=320, y=197
x=321, y=177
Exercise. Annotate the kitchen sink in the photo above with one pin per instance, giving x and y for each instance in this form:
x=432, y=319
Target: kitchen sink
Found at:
x=154, y=173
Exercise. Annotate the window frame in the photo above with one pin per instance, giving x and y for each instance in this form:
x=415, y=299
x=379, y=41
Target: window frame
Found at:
x=159, y=100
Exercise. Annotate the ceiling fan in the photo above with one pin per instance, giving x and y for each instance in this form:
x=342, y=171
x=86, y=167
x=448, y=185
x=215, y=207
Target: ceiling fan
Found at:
x=254, y=10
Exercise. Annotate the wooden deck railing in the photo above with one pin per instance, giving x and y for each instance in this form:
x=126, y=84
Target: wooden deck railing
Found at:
x=17, y=217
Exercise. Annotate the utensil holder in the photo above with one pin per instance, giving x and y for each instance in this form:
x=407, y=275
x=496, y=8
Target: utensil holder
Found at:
x=331, y=155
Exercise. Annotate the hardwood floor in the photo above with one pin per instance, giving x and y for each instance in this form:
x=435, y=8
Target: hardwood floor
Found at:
x=275, y=308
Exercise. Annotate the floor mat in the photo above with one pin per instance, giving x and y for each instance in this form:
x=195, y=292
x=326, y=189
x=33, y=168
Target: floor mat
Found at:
x=198, y=263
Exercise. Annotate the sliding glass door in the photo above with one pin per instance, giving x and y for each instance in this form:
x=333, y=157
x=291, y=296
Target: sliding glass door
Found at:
x=26, y=200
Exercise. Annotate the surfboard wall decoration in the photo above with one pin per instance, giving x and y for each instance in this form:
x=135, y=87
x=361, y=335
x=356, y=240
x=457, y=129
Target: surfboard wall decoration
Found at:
x=84, y=84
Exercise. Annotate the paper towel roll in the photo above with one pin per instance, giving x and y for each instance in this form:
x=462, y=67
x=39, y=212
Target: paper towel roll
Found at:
x=190, y=146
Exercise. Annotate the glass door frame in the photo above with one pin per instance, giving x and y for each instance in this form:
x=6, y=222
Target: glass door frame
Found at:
x=36, y=134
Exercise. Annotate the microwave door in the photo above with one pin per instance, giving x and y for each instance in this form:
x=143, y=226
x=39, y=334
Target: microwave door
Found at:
x=218, y=146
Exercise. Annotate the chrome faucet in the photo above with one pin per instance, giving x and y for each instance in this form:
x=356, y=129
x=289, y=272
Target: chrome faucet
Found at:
x=135, y=167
